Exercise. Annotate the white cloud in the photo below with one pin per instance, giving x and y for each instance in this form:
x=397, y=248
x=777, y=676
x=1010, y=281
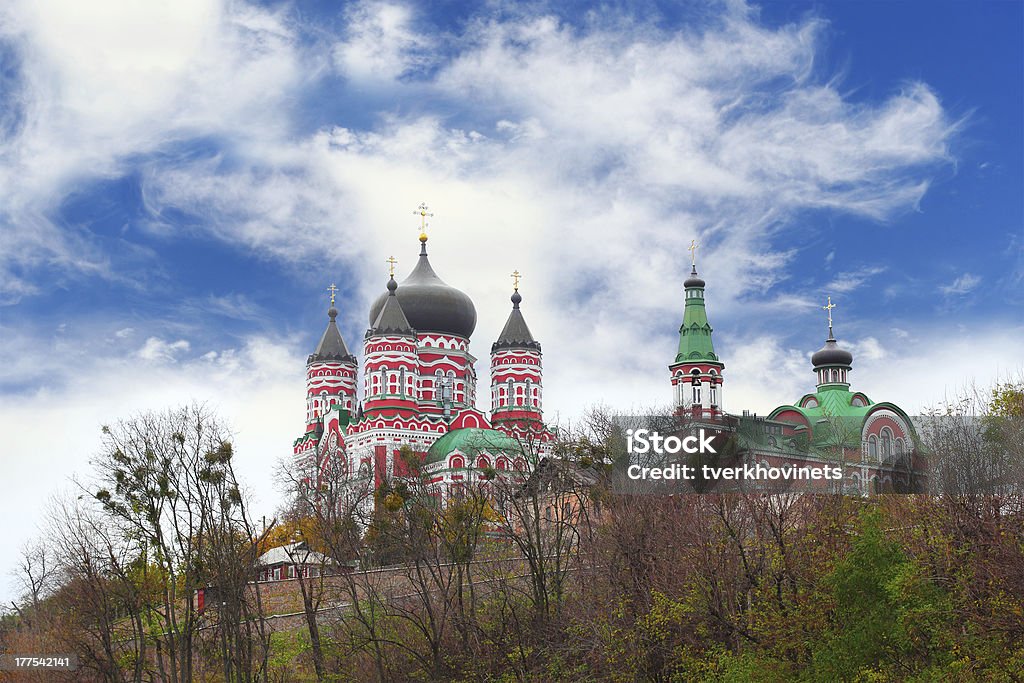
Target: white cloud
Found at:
x=962, y=285
x=104, y=80
x=868, y=349
x=156, y=349
x=851, y=280
x=382, y=43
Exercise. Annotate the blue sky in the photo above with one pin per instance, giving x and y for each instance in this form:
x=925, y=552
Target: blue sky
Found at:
x=179, y=183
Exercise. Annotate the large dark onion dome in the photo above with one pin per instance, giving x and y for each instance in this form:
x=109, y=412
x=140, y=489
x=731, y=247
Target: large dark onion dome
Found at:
x=831, y=354
x=430, y=304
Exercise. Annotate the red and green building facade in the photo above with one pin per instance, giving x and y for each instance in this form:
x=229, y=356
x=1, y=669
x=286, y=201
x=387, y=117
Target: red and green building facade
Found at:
x=419, y=390
x=834, y=425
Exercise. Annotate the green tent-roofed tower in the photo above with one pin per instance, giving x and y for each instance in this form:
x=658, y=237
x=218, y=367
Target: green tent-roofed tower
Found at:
x=697, y=370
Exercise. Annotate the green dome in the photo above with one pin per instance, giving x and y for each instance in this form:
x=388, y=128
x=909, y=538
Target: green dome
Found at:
x=470, y=442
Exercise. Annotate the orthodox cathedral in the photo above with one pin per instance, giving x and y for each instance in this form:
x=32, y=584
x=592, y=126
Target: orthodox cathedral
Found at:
x=419, y=389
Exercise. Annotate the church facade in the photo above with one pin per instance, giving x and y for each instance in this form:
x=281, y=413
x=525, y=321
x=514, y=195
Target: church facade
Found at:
x=417, y=391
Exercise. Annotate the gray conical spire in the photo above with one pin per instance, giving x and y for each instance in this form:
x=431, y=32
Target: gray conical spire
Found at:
x=516, y=333
x=391, y=319
x=332, y=345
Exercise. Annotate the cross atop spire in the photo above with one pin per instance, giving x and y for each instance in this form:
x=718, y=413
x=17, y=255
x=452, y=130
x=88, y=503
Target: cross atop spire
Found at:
x=333, y=290
x=515, y=279
x=829, y=308
x=391, y=261
x=693, y=252
x=423, y=211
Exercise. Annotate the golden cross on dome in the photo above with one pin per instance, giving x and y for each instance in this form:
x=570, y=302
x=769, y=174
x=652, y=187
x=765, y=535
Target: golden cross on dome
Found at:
x=515, y=279
x=423, y=211
x=829, y=308
x=332, y=289
x=391, y=260
x=693, y=251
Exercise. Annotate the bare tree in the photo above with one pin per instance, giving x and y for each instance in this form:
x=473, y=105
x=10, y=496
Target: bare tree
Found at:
x=103, y=591
x=36, y=576
x=166, y=479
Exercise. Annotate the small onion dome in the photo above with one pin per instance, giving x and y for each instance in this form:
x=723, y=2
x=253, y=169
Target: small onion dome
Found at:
x=694, y=280
x=831, y=354
x=430, y=304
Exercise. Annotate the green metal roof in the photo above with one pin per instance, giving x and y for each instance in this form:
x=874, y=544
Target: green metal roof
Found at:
x=834, y=420
x=695, y=332
x=835, y=401
x=471, y=441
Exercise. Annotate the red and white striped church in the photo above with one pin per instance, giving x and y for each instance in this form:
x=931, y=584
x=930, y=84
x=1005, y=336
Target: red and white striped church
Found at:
x=419, y=389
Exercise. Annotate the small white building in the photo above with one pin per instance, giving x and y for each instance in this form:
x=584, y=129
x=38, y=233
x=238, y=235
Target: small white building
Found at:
x=287, y=561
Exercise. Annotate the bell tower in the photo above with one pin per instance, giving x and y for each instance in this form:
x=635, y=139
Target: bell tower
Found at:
x=516, y=374
x=697, y=372
x=330, y=372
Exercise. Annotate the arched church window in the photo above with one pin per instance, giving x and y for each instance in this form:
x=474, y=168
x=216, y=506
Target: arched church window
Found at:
x=886, y=442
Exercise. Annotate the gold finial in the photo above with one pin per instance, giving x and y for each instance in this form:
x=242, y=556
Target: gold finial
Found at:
x=829, y=308
x=332, y=289
x=423, y=212
x=391, y=261
x=515, y=279
x=693, y=252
